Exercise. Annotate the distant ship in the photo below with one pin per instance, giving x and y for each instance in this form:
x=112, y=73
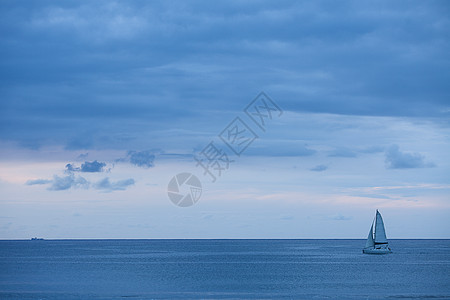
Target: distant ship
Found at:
x=376, y=241
x=37, y=239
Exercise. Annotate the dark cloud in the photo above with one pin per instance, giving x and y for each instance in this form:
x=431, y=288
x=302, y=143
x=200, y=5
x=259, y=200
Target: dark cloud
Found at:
x=71, y=181
x=69, y=68
x=143, y=159
x=89, y=167
x=37, y=181
x=395, y=159
x=319, y=168
x=72, y=168
x=107, y=185
x=342, y=152
x=67, y=182
x=92, y=167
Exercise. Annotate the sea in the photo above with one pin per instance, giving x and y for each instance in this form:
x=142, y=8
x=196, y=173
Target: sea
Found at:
x=222, y=269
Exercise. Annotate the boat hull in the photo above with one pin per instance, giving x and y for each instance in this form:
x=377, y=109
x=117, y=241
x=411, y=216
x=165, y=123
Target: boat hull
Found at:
x=377, y=251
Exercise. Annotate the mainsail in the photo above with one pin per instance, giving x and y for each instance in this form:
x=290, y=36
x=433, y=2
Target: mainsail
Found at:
x=370, y=242
x=380, y=233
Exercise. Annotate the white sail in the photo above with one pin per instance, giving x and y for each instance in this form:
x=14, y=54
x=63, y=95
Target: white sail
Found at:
x=380, y=233
x=370, y=242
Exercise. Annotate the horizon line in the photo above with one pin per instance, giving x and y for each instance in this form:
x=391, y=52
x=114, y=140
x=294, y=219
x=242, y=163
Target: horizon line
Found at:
x=84, y=239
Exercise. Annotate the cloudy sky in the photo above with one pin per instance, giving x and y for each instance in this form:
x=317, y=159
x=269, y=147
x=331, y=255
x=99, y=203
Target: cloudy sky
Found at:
x=102, y=103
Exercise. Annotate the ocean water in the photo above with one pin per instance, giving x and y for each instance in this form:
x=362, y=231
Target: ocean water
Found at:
x=222, y=269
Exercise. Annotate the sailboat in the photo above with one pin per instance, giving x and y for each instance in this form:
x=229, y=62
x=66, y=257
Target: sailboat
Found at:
x=376, y=241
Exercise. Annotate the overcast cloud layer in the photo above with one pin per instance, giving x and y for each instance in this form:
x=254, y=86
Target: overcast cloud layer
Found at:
x=93, y=74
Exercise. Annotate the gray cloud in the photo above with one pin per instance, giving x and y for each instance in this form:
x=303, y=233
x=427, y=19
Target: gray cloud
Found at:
x=395, y=159
x=107, y=185
x=92, y=167
x=71, y=181
x=72, y=168
x=37, y=181
x=319, y=168
x=89, y=167
x=157, y=58
x=67, y=182
x=143, y=159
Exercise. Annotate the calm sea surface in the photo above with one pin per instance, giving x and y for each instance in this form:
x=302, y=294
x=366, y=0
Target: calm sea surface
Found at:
x=217, y=269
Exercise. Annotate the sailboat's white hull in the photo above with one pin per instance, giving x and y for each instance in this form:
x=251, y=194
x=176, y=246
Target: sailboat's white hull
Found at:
x=377, y=251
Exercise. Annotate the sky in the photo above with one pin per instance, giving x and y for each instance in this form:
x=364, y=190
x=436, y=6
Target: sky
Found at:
x=102, y=103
